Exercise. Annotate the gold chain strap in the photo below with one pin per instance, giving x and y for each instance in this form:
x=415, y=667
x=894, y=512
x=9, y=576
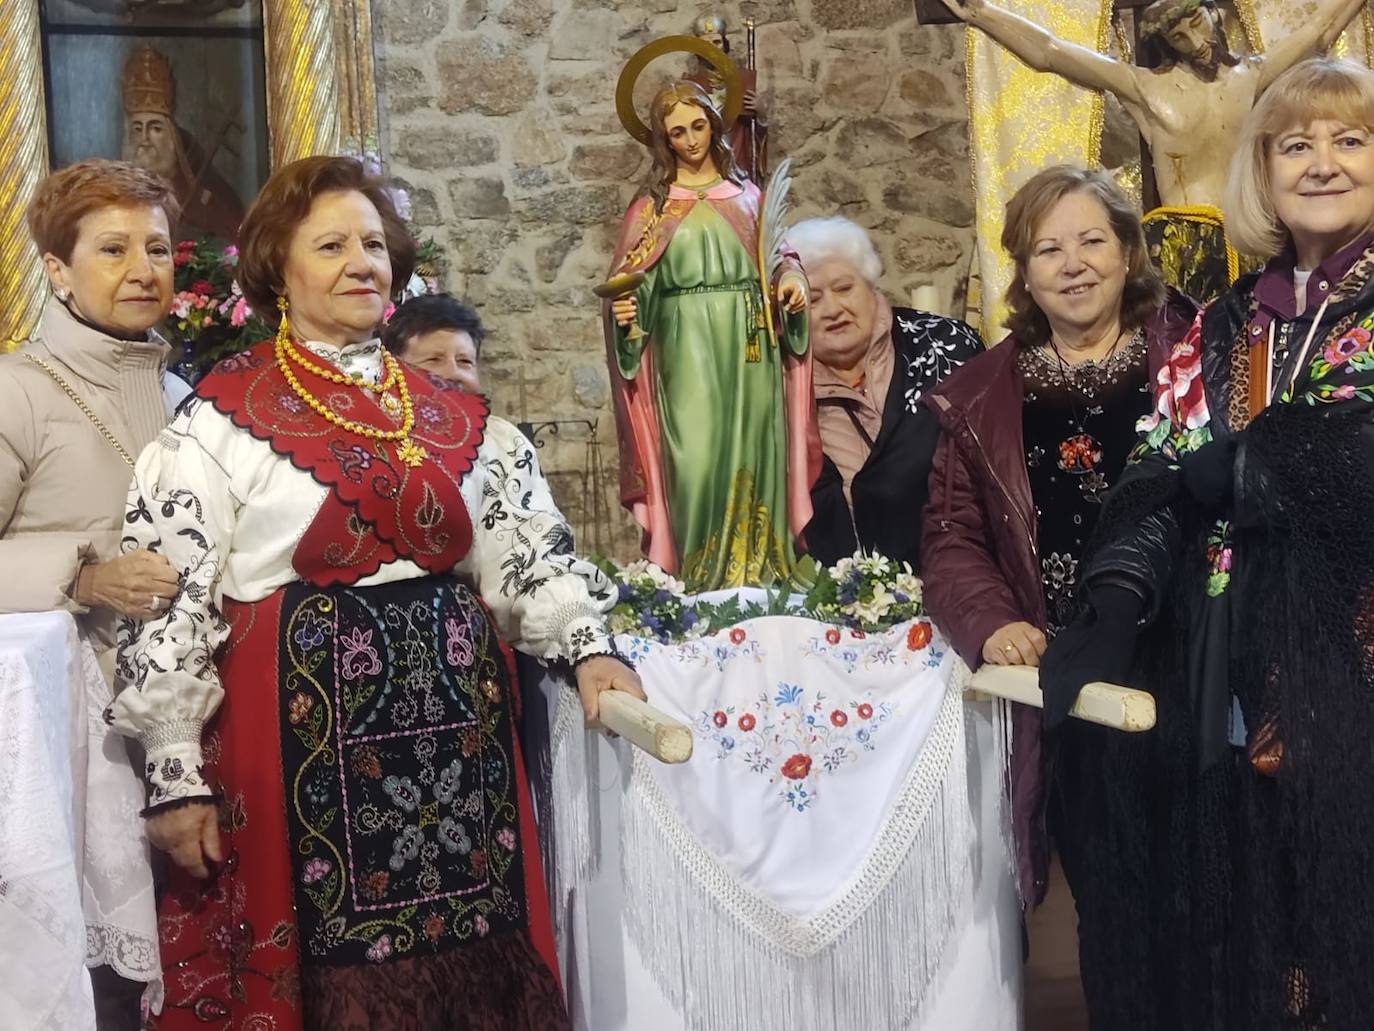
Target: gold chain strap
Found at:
x=85, y=409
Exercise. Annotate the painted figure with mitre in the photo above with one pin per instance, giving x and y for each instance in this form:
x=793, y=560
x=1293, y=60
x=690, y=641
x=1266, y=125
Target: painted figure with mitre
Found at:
x=153, y=140
x=707, y=346
x=749, y=134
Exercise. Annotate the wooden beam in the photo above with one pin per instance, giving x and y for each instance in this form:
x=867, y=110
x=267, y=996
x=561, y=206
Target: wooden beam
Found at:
x=1122, y=708
x=645, y=727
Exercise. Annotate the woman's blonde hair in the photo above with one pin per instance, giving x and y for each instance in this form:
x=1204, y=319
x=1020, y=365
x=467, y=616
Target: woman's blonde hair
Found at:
x=1144, y=291
x=1320, y=88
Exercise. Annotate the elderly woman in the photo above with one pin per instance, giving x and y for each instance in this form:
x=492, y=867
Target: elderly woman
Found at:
x=81, y=398
x=77, y=402
x=1243, y=522
x=1035, y=432
x=873, y=365
x=326, y=674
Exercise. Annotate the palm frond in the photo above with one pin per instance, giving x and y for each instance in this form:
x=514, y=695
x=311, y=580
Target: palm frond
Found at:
x=771, y=221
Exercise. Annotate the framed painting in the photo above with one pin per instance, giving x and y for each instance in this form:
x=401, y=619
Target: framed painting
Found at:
x=211, y=93
x=179, y=89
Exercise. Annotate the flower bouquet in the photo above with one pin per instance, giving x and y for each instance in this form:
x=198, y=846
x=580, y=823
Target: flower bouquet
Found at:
x=210, y=317
x=865, y=592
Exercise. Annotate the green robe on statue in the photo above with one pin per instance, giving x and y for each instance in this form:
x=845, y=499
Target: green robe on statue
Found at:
x=718, y=398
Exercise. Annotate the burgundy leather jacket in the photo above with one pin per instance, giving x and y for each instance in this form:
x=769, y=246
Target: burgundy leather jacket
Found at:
x=979, y=559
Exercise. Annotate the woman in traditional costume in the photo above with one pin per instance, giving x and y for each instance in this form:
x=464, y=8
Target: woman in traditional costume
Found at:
x=1243, y=522
x=713, y=400
x=324, y=705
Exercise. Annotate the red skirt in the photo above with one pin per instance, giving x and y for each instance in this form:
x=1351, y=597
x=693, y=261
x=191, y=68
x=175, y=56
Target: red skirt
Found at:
x=381, y=862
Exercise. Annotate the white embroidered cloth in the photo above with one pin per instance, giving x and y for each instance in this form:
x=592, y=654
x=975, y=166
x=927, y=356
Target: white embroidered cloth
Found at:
x=801, y=870
x=76, y=889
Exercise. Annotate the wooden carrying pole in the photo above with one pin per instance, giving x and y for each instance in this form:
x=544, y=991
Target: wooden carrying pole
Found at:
x=645, y=727
x=1121, y=708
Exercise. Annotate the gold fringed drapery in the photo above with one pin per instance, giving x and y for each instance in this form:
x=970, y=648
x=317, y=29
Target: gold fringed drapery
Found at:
x=1020, y=121
x=23, y=163
x=302, y=81
x=321, y=86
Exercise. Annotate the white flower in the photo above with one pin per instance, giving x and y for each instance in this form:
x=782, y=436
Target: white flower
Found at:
x=622, y=623
x=908, y=584
x=874, y=565
x=841, y=568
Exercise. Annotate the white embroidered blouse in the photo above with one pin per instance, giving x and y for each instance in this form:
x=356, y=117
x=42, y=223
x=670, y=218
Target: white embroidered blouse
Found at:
x=228, y=512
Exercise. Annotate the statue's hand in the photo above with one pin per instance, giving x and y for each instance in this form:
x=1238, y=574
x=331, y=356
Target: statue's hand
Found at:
x=624, y=310
x=792, y=295
x=964, y=10
x=750, y=106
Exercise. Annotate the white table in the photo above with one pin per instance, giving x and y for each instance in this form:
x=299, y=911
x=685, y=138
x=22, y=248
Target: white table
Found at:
x=978, y=984
x=76, y=889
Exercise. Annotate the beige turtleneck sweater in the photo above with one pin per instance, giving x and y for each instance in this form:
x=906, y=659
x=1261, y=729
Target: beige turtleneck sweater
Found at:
x=62, y=484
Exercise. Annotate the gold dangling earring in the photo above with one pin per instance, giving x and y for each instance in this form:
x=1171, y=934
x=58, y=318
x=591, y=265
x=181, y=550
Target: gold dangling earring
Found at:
x=283, y=327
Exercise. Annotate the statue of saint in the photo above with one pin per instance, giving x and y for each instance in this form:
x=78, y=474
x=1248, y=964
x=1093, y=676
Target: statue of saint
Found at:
x=152, y=139
x=1187, y=97
x=749, y=134
x=708, y=357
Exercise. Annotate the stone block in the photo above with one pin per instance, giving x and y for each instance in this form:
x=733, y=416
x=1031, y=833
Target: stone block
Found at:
x=850, y=86
x=927, y=252
x=573, y=205
x=860, y=14
x=537, y=139
x=482, y=75
x=584, y=34
x=923, y=89
x=550, y=255
x=441, y=147
x=618, y=161
x=478, y=197
x=530, y=18
x=591, y=387
x=866, y=142
x=414, y=21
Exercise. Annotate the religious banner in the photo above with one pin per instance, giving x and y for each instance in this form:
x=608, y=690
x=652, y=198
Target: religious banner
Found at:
x=802, y=869
x=1021, y=121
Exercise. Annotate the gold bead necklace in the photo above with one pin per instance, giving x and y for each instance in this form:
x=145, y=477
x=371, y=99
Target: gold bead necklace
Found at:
x=407, y=451
x=340, y=377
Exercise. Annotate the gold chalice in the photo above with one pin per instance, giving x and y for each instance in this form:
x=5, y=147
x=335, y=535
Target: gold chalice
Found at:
x=618, y=287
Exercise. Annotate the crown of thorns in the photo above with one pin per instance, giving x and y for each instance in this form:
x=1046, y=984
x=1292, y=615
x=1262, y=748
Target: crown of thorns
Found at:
x=1163, y=15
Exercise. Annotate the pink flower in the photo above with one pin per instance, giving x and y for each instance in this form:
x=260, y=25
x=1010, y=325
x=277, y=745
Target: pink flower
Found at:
x=231, y=253
x=381, y=949
x=181, y=304
x=1349, y=345
x=505, y=837
x=1344, y=392
x=315, y=870
x=240, y=313
x=480, y=925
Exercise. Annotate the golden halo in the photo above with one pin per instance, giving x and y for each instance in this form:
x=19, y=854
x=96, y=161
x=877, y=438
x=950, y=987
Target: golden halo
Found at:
x=708, y=52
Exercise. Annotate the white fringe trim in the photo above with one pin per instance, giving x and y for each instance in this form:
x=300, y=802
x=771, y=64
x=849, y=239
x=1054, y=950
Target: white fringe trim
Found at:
x=576, y=853
x=729, y=961
x=961, y=678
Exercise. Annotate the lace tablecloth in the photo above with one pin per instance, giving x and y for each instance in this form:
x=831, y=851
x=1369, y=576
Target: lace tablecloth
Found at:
x=76, y=889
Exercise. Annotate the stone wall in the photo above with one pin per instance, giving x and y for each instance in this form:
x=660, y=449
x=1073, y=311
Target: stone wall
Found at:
x=499, y=115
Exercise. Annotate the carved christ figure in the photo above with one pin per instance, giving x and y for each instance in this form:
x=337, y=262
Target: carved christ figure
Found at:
x=1190, y=105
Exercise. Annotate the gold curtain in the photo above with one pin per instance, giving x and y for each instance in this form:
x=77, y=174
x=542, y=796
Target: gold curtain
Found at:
x=1019, y=122
x=1272, y=19
x=23, y=163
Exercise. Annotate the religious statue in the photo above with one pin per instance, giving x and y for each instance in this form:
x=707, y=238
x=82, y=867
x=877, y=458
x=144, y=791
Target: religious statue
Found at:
x=152, y=139
x=1188, y=100
x=749, y=134
x=707, y=346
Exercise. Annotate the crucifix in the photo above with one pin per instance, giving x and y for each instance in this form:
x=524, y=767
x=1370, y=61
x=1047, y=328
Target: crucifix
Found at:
x=1190, y=91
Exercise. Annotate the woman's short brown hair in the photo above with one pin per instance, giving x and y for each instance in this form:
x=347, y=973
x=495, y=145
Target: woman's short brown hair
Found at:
x=1144, y=292
x=1318, y=88
x=68, y=195
x=284, y=202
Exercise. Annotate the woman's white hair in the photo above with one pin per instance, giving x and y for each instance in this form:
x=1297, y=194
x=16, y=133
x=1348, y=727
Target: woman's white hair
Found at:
x=820, y=239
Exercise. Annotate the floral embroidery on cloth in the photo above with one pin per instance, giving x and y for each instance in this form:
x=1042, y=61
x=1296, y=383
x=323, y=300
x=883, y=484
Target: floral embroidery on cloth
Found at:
x=1342, y=370
x=793, y=737
x=397, y=753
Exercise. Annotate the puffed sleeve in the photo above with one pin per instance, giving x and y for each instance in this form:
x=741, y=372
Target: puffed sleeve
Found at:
x=182, y=504
x=522, y=558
